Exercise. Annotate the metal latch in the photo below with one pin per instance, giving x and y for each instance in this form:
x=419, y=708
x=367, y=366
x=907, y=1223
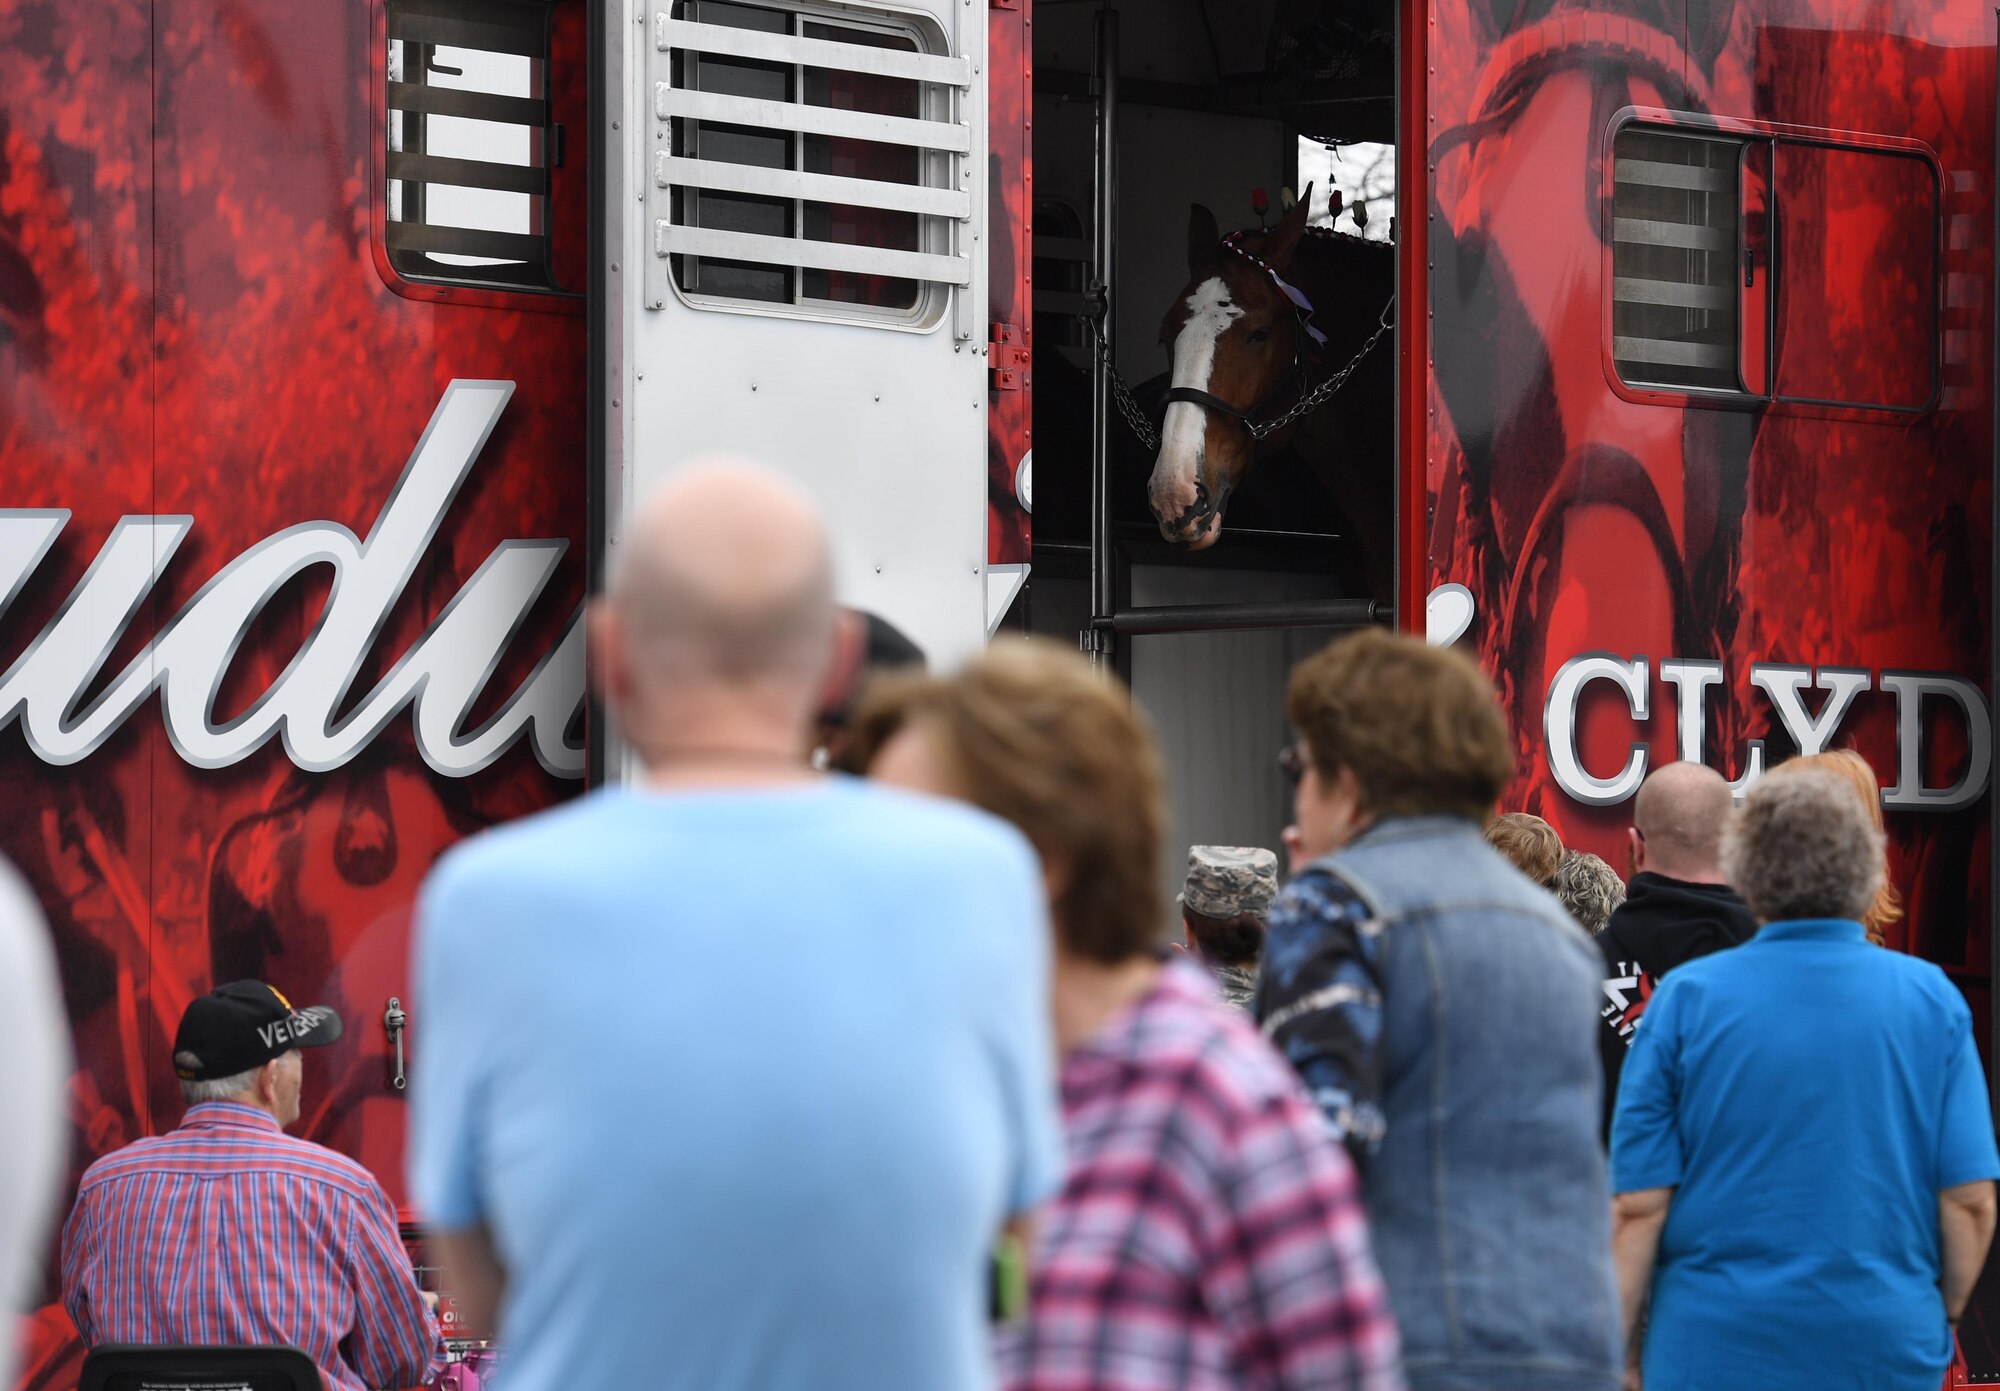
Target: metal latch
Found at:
x=1007, y=355
x=395, y=1021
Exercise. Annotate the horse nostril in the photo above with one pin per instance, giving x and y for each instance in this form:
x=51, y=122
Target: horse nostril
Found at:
x=1201, y=497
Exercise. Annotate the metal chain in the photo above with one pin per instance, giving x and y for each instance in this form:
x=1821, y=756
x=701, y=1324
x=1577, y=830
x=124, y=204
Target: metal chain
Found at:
x=1142, y=427
x=1127, y=407
x=1318, y=396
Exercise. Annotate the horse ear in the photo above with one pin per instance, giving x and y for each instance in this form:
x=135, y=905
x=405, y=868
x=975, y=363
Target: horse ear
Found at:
x=1284, y=238
x=1203, y=234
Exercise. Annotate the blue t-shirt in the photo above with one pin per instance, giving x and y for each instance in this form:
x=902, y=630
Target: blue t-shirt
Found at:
x=744, y=1083
x=1807, y=1096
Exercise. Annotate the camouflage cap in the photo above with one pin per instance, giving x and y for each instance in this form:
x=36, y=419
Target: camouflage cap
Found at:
x=1230, y=881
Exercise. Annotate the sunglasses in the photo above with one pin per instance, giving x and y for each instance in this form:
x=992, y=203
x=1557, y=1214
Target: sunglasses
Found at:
x=1292, y=764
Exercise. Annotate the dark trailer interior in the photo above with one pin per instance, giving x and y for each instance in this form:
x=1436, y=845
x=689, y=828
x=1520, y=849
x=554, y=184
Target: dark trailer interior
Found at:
x=1232, y=107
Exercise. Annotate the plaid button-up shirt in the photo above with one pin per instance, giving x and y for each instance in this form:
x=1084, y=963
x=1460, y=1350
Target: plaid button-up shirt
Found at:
x=228, y=1231
x=1210, y=1234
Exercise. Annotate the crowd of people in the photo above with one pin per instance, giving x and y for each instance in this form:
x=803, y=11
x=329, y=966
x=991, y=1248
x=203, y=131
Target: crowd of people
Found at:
x=750, y=1075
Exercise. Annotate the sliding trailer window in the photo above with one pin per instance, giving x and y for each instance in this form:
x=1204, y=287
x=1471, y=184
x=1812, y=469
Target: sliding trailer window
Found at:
x=1772, y=268
x=808, y=160
x=470, y=142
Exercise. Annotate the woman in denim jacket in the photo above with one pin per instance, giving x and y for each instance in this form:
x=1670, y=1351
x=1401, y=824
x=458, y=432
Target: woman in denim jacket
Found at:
x=1443, y=1012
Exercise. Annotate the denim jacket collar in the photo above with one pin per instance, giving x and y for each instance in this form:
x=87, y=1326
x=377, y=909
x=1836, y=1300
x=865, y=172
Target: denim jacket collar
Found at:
x=1397, y=828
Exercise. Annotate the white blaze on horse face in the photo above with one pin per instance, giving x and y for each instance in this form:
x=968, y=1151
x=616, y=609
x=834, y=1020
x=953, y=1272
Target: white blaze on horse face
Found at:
x=1178, y=469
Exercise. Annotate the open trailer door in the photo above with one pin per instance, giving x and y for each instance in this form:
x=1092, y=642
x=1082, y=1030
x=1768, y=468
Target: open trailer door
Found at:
x=799, y=275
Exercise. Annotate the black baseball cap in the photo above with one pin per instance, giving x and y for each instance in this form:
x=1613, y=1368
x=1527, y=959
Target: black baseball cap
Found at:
x=242, y=1025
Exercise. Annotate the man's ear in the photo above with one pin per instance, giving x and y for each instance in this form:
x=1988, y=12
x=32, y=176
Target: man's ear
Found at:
x=1203, y=235
x=1283, y=239
x=1638, y=844
x=604, y=639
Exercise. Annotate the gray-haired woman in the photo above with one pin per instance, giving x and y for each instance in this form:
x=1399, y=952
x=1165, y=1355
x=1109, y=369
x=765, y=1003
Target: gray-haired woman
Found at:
x=1802, y=1151
x=1589, y=888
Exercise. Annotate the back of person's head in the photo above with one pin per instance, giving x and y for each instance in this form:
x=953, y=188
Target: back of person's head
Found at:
x=1803, y=846
x=1029, y=732
x=1855, y=771
x=721, y=595
x=865, y=645
x=1225, y=899
x=1529, y=842
x=1589, y=888
x=1418, y=727
x=1679, y=816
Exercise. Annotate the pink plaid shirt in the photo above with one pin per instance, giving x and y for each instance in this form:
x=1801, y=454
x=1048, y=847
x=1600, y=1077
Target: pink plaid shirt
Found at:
x=1210, y=1235
x=229, y=1231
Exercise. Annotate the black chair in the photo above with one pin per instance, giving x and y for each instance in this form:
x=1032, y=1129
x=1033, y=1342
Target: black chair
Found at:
x=135, y=1367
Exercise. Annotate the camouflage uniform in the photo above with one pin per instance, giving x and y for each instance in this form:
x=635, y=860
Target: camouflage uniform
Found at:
x=1226, y=882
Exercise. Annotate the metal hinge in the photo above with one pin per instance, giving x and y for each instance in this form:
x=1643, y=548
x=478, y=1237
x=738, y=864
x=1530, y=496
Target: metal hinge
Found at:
x=1007, y=355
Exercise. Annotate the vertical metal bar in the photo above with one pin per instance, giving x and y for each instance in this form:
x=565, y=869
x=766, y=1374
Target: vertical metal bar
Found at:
x=1416, y=30
x=602, y=76
x=1993, y=686
x=1104, y=176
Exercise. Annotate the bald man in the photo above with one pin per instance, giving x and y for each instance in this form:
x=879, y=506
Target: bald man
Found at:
x=1678, y=905
x=730, y=1078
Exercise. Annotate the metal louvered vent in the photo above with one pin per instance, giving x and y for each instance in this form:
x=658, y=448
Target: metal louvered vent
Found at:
x=1674, y=301
x=470, y=141
x=808, y=159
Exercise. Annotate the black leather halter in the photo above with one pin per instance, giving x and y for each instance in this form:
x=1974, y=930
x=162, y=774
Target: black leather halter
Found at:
x=1292, y=382
x=1304, y=341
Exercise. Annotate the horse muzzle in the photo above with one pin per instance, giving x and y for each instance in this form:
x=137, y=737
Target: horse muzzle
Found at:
x=1200, y=523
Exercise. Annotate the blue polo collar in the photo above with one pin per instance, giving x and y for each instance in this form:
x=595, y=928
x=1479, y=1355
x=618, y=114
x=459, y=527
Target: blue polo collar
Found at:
x=1813, y=930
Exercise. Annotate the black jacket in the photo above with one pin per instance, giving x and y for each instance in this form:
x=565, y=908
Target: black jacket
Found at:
x=1662, y=923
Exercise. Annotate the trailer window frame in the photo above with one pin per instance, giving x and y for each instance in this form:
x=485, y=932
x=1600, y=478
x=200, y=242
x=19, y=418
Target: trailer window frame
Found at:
x=940, y=174
x=524, y=273
x=1774, y=136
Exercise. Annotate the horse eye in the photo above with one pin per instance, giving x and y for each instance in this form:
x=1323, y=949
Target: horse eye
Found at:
x=1260, y=335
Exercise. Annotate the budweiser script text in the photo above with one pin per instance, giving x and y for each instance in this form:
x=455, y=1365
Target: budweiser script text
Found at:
x=441, y=676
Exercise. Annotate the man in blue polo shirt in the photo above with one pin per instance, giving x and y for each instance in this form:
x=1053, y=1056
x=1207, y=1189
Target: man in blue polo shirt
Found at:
x=1803, y=1151
x=728, y=1080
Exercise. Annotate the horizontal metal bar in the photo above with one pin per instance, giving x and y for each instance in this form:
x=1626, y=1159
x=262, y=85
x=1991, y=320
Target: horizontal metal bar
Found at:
x=669, y=33
x=469, y=173
x=1628, y=289
x=476, y=106
x=672, y=240
x=1655, y=174
x=466, y=241
x=1672, y=353
x=1647, y=231
x=670, y=101
x=1142, y=531
x=672, y=170
x=1158, y=620
x=528, y=37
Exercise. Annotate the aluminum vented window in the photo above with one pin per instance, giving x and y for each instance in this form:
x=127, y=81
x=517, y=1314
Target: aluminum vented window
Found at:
x=1673, y=243
x=808, y=160
x=1775, y=268
x=470, y=142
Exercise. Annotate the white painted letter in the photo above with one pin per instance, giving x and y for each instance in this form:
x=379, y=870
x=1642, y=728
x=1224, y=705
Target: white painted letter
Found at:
x=1559, y=727
x=1909, y=792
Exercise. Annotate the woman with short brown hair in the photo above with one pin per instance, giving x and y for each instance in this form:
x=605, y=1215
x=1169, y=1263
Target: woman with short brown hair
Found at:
x=1039, y=741
x=1210, y=1233
x=1443, y=1012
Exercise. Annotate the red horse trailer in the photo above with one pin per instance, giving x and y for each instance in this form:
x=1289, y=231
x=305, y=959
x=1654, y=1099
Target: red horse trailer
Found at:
x=337, y=340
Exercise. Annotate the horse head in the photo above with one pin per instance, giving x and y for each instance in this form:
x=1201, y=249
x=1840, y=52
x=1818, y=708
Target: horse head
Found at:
x=1238, y=347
